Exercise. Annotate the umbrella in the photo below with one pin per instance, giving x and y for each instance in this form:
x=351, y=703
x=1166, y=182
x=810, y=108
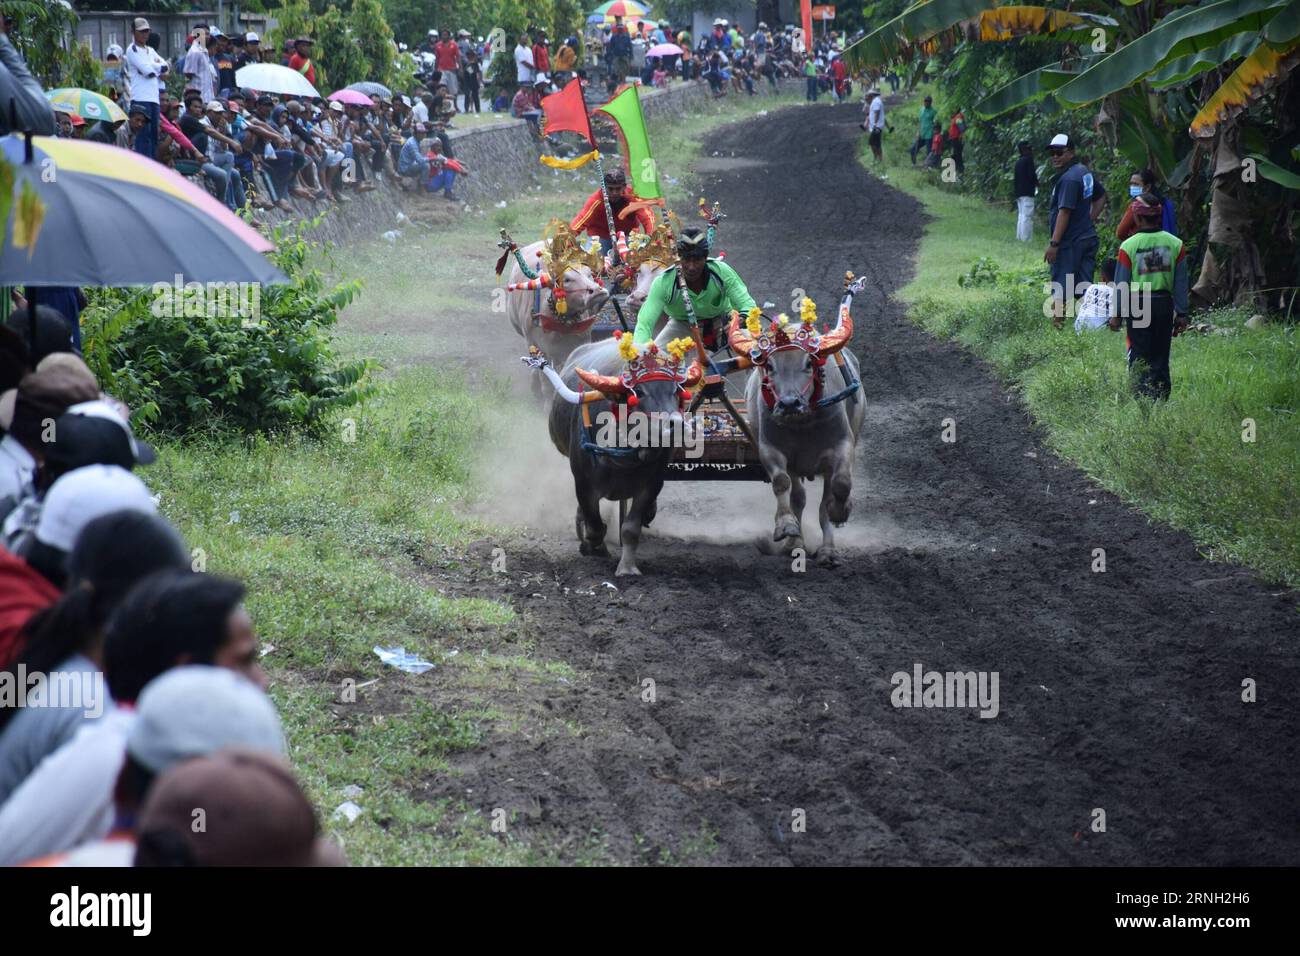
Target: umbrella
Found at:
x=351, y=97
x=270, y=78
x=622, y=8
x=373, y=90
x=116, y=218
x=664, y=49
x=85, y=103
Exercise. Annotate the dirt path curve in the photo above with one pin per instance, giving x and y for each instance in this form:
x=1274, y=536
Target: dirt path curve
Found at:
x=1118, y=690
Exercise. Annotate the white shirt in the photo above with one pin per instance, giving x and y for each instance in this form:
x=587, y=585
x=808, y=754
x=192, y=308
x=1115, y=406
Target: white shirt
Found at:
x=68, y=799
x=420, y=112
x=17, y=469
x=1094, y=307
x=876, y=114
x=138, y=63
x=523, y=56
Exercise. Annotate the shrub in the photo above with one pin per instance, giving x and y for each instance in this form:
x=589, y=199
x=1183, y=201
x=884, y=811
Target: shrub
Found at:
x=219, y=370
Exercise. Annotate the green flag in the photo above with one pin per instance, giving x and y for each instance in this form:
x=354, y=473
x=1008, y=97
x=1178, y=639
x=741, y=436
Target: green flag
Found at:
x=625, y=110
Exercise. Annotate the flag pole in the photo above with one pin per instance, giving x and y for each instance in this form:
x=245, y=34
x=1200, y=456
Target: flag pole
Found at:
x=600, y=171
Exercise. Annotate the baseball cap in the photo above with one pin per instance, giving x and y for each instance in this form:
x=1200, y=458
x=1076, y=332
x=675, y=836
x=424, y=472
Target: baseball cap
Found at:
x=257, y=812
x=95, y=433
x=195, y=710
x=336, y=106
x=216, y=107
x=215, y=31
x=113, y=50
x=84, y=494
x=252, y=38
x=44, y=395
x=140, y=23
x=542, y=78
x=1060, y=141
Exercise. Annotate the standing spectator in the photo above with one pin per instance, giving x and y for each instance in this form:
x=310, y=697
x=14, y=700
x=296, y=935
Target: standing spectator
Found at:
x=1072, y=249
x=1144, y=181
x=224, y=61
x=524, y=68
x=144, y=70
x=541, y=52
x=1026, y=187
x=301, y=59
x=933, y=157
x=810, y=75
x=619, y=53
x=446, y=59
x=840, y=77
x=21, y=93
x=924, y=128
x=1152, y=268
x=252, y=52
x=875, y=124
x=200, y=74
x=566, y=59
x=956, y=131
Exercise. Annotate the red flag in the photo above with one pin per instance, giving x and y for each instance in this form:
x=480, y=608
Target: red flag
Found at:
x=567, y=110
x=805, y=15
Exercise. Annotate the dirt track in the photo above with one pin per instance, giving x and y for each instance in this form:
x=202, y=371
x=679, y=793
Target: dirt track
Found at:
x=1118, y=690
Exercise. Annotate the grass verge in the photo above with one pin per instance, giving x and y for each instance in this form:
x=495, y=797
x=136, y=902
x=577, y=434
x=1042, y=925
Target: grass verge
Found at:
x=1218, y=460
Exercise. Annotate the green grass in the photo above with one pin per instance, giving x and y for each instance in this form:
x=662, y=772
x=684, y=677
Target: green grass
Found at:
x=1182, y=462
x=348, y=541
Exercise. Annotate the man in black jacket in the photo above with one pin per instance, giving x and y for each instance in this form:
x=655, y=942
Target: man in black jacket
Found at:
x=23, y=105
x=1026, y=187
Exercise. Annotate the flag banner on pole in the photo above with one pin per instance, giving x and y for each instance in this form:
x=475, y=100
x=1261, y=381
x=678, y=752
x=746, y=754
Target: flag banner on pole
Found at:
x=805, y=17
x=625, y=110
x=567, y=110
x=577, y=162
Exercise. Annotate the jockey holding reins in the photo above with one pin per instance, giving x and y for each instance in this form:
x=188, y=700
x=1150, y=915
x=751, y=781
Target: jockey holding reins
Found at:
x=715, y=290
x=630, y=212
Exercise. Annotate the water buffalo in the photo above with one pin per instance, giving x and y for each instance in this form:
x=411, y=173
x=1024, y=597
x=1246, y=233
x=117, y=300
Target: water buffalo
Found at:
x=607, y=382
x=555, y=312
x=803, y=398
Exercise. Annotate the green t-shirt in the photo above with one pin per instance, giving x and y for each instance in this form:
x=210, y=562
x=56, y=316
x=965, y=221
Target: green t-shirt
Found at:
x=1152, y=259
x=927, y=121
x=723, y=291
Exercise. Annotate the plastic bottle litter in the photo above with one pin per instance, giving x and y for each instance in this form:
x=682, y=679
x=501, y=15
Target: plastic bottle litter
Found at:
x=397, y=657
x=391, y=235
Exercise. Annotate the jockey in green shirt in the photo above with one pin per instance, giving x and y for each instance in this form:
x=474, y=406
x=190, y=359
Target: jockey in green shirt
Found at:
x=714, y=287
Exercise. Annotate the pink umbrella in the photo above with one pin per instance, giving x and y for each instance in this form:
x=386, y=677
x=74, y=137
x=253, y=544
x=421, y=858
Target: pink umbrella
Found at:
x=664, y=49
x=351, y=97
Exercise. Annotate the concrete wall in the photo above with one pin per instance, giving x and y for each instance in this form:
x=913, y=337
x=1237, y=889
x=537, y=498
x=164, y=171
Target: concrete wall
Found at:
x=502, y=157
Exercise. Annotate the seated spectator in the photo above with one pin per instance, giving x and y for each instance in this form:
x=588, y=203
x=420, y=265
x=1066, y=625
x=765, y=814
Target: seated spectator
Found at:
x=169, y=620
x=188, y=712
x=111, y=555
x=193, y=126
x=443, y=171
x=266, y=818
x=411, y=165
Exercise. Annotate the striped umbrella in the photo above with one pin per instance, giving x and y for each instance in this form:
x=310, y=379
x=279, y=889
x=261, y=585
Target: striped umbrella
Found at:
x=87, y=104
x=622, y=8
x=113, y=217
x=372, y=89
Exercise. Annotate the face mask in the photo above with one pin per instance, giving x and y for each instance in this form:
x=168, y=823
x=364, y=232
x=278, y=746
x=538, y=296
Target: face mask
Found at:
x=1135, y=191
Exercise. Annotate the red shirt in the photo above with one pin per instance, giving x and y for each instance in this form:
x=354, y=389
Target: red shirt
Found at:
x=594, y=222
x=541, y=58
x=296, y=64
x=446, y=56
x=23, y=592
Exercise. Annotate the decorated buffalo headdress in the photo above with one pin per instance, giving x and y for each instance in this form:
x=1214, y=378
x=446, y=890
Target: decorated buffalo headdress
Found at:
x=652, y=364
x=562, y=250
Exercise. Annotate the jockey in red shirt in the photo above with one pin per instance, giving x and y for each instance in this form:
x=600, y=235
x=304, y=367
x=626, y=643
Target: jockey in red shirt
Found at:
x=593, y=221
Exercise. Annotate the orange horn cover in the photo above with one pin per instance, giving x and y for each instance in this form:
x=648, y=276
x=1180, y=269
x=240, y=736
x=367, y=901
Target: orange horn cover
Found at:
x=611, y=385
x=836, y=339
x=738, y=337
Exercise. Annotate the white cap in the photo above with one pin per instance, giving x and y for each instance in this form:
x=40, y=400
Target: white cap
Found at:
x=1059, y=140
x=193, y=711
x=113, y=50
x=251, y=37
x=84, y=494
